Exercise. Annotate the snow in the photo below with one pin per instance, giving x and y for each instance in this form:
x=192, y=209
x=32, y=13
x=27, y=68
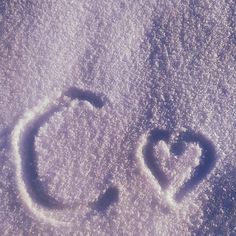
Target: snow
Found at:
x=117, y=117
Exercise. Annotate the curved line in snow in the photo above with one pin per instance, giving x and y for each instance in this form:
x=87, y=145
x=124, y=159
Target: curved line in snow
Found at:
x=17, y=136
x=30, y=124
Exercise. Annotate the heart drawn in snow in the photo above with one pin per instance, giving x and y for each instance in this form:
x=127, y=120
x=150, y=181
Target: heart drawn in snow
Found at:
x=178, y=161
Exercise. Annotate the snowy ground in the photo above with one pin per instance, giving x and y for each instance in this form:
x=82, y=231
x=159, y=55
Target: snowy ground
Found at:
x=117, y=117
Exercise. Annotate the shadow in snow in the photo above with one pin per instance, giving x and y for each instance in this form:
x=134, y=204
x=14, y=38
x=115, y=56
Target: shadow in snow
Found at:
x=38, y=193
x=29, y=153
x=207, y=162
x=207, y=159
x=150, y=158
x=108, y=198
x=85, y=95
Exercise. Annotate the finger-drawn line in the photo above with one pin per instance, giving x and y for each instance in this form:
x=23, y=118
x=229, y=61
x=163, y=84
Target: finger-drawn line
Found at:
x=149, y=161
x=207, y=162
x=21, y=159
x=85, y=95
x=30, y=166
x=110, y=196
x=23, y=144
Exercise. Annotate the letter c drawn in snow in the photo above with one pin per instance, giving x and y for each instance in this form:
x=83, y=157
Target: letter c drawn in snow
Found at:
x=38, y=201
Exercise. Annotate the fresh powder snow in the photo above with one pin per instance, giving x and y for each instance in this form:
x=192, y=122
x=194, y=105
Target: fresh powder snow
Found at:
x=117, y=117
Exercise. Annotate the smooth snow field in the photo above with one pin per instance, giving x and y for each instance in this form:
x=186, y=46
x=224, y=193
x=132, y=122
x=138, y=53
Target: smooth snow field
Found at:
x=117, y=117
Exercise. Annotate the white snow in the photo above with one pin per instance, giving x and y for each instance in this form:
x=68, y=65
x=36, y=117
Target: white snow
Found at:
x=117, y=117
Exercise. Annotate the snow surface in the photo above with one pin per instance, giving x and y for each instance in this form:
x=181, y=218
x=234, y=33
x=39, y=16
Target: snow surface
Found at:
x=117, y=117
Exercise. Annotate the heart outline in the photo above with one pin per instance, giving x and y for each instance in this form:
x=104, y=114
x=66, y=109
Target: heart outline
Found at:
x=207, y=159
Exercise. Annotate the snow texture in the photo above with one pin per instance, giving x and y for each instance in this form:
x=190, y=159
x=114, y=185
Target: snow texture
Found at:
x=117, y=117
